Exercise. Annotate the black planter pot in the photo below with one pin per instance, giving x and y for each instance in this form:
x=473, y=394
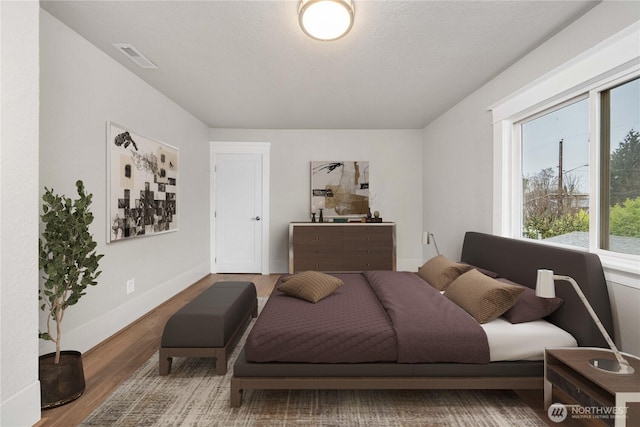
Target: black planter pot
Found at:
x=61, y=383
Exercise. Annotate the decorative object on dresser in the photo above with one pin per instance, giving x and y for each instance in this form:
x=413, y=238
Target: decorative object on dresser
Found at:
x=590, y=394
x=342, y=246
x=545, y=288
x=373, y=218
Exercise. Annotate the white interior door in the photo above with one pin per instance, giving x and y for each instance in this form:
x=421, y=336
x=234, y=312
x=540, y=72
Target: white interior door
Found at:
x=238, y=213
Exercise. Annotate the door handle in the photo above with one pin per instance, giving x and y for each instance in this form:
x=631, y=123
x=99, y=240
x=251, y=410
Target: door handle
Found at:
x=257, y=218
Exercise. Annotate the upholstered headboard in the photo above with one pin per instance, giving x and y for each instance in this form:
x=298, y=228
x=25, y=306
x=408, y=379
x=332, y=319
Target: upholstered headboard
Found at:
x=519, y=261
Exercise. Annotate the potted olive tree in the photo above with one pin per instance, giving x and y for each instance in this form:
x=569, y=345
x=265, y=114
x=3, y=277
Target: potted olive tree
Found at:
x=69, y=264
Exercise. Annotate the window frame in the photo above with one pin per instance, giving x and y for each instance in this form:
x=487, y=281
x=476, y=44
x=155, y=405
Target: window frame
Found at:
x=518, y=218
x=600, y=68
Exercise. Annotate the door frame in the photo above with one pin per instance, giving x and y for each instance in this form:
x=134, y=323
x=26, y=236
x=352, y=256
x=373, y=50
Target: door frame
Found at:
x=263, y=149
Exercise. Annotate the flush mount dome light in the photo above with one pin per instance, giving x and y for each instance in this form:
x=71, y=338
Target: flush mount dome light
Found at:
x=326, y=19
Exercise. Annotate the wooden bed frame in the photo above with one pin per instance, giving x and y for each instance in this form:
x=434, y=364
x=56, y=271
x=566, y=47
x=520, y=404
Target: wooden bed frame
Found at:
x=514, y=259
x=238, y=384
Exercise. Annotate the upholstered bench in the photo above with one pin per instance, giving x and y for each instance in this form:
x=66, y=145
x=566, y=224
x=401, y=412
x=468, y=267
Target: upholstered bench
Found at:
x=210, y=325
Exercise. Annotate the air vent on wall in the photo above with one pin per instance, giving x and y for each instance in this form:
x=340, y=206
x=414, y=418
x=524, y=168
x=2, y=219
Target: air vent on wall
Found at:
x=135, y=55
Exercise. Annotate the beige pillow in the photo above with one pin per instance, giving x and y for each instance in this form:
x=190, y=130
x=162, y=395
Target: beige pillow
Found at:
x=310, y=285
x=481, y=296
x=439, y=271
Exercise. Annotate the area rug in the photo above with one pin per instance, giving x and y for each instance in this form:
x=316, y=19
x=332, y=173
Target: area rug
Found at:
x=193, y=395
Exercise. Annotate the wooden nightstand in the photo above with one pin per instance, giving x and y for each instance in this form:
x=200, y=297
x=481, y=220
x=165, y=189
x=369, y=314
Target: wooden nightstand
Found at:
x=597, y=395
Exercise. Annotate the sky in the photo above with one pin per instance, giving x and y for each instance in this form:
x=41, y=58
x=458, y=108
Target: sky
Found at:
x=625, y=110
x=541, y=135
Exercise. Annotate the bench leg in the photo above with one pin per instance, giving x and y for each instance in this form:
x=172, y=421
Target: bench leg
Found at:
x=254, y=313
x=236, y=395
x=165, y=362
x=221, y=361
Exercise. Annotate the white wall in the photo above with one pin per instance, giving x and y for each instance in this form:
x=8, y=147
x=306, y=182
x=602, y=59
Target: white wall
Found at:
x=458, y=166
x=19, y=386
x=81, y=89
x=395, y=160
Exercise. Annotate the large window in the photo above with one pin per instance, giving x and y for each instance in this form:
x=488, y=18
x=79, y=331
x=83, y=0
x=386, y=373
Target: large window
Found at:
x=556, y=195
x=555, y=175
x=620, y=189
x=567, y=157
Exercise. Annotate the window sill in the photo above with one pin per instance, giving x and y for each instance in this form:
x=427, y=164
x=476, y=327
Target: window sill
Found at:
x=621, y=270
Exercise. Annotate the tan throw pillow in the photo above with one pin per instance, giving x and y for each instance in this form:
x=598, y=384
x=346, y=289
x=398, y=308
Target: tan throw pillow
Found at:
x=481, y=296
x=310, y=285
x=439, y=271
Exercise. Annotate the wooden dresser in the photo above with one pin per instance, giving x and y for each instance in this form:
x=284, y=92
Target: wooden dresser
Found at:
x=342, y=246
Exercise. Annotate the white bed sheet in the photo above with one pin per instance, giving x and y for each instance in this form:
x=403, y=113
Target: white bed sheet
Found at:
x=524, y=341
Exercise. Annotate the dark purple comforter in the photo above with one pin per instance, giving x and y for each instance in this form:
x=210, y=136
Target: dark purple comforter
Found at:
x=429, y=327
x=348, y=326
x=380, y=316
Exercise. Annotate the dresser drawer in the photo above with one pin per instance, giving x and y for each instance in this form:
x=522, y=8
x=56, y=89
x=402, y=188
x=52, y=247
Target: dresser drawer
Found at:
x=318, y=264
x=316, y=237
x=368, y=252
x=367, y=263
x=367, y=235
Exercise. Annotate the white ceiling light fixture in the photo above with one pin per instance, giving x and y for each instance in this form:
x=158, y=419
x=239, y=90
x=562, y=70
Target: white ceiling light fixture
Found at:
x=326, y=19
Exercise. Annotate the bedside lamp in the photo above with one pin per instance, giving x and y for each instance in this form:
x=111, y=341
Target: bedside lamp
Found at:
x=427, y=241
x=545, y=288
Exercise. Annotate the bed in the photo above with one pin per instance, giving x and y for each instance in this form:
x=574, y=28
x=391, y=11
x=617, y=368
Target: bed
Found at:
x=381, y=355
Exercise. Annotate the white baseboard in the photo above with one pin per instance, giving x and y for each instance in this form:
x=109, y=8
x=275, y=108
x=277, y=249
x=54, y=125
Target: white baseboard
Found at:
x=23, y=408
x=99, y=329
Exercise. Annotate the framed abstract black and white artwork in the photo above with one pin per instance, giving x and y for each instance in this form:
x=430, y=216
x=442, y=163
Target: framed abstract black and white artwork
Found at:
x=142, y=181
x=340, y=188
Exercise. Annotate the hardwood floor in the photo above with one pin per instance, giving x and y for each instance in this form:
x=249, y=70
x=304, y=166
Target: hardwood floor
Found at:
x=112, y=361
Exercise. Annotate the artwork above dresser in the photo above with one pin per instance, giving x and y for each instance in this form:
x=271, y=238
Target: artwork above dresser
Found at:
x=333, y=247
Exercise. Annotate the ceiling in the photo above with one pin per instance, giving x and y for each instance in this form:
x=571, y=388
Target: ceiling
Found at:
x=247, y=64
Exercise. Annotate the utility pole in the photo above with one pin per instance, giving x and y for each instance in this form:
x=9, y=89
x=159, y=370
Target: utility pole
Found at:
x=560, y=172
